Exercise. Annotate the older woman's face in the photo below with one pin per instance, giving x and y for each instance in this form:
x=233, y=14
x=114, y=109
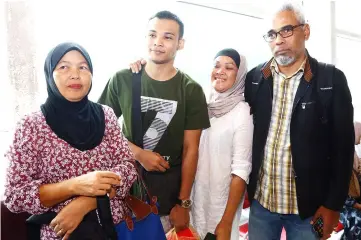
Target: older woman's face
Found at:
x=72, y=76
x=224, y=73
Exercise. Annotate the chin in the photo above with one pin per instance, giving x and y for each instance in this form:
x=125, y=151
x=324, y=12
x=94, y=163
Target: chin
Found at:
x=159, y=61
x=75, y=98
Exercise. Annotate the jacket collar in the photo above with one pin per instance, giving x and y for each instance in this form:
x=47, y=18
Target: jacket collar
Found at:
x=308, y=73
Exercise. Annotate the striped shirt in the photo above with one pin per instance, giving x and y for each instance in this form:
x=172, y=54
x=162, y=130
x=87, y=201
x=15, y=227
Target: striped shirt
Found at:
x=276, y=188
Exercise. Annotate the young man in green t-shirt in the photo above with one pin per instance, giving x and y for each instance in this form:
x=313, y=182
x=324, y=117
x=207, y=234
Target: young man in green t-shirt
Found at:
x=174, y=112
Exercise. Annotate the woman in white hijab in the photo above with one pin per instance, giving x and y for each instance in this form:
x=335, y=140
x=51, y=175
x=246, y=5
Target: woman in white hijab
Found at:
x=224, y=162
x=225, y=150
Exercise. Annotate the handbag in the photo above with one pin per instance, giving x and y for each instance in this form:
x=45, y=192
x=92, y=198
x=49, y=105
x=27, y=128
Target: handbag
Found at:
x=96, y=225
x=145, y=224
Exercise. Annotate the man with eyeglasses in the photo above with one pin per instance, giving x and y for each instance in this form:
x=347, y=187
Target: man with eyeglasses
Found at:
x=303, y=137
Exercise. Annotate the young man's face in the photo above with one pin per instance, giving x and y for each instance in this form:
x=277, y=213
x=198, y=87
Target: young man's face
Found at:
x=163, y=40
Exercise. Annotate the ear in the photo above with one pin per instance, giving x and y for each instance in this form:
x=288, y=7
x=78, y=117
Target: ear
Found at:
x=181, y=44
x=307, y=31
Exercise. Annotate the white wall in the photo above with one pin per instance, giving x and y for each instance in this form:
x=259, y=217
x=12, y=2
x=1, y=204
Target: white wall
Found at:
x=114, y=34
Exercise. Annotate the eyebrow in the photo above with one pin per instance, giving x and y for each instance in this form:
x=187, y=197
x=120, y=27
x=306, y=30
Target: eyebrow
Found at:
x=166, y=33
x=281, y=28
x=83, y=62
x=227, y=63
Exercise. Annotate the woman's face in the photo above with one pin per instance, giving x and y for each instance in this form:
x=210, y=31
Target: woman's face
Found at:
x=72, y=76
x=224, y=73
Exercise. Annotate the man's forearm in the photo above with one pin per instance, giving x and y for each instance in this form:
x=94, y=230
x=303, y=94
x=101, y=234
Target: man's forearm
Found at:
x=135, y=149
x=189, y=168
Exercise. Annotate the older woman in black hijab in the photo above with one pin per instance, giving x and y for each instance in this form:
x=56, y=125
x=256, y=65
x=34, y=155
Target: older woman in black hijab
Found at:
x=70, y=151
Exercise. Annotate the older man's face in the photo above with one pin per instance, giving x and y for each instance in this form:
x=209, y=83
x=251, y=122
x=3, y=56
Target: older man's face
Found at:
x=287, y=50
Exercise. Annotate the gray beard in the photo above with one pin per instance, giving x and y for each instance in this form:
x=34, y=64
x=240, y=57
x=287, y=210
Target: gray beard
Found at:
x=284, y=60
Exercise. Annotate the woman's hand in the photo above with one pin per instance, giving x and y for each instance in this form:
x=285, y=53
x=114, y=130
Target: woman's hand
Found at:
x=69, y=218
x=96, y=183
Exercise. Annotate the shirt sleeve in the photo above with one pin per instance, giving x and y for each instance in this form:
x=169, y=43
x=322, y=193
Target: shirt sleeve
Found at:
x=110, y=95
x=242, y=148
x=122, y=159
x=23, y=176
x=196, y=109
x=343, y=143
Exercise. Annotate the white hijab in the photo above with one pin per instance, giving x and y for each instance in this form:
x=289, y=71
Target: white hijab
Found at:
x=221, y=103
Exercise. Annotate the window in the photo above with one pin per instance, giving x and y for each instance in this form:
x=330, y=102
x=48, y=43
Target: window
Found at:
x=348, y=49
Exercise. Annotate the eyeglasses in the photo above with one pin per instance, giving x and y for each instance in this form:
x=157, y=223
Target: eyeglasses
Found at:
x=285, y=32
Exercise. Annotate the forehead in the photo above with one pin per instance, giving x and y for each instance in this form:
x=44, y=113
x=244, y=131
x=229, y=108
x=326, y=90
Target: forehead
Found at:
x=284, y=18
x=224, y=60
x=72, y=55
x=163, y=26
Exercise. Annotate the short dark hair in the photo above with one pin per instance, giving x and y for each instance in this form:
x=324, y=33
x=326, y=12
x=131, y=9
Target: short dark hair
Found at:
x=170, y=16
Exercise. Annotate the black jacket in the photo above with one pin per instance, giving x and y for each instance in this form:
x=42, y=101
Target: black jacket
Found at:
x=322, y=153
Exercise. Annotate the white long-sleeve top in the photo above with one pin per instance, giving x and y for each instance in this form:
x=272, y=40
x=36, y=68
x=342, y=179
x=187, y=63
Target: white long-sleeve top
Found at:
x=225, y=149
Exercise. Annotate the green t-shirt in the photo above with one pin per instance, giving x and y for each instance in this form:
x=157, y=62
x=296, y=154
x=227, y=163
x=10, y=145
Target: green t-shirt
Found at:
x=168, y=108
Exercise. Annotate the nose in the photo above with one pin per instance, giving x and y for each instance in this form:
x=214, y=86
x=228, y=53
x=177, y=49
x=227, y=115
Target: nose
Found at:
x=74, y=74
x=220, y=71
x=279, y=39
x=158, y=41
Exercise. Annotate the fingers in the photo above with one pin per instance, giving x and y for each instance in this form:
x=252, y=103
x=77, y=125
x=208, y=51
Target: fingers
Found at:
x=136, y=66
x=66, y=236
x=315, y=217
x=60, y=233
x=105, y=187
x=133, y=67
x=162, y=162
x=180, y=227
x=110, y=181
x=143, y=61
x=325, y=237
x=327, y=232
x=53, y=223
x=59, y=230
x=108, y=174
x=160, y=168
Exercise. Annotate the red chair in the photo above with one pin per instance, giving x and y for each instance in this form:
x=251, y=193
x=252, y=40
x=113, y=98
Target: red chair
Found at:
x=243, y=229
x=13, y=226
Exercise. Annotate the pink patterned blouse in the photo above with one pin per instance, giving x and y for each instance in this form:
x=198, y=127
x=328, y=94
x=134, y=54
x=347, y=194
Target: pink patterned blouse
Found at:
x=37, y=156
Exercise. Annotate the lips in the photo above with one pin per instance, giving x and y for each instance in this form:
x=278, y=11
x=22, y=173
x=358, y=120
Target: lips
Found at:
x=282, y=51
x=157, y=51
x=75, y=86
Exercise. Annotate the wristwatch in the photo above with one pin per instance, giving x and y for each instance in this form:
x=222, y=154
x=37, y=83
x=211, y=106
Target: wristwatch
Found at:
x=187, y=203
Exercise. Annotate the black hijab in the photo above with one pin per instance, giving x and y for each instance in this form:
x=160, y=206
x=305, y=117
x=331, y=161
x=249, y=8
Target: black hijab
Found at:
x=230, y=52
x=81, y=124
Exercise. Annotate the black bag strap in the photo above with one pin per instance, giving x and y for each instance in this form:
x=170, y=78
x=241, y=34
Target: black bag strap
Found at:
x=137, y=129
x=105, y=217
x=325, y=89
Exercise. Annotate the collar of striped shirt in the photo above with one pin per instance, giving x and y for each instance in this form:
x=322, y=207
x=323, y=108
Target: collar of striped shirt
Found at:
x=267, y=69
x=275, y=68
